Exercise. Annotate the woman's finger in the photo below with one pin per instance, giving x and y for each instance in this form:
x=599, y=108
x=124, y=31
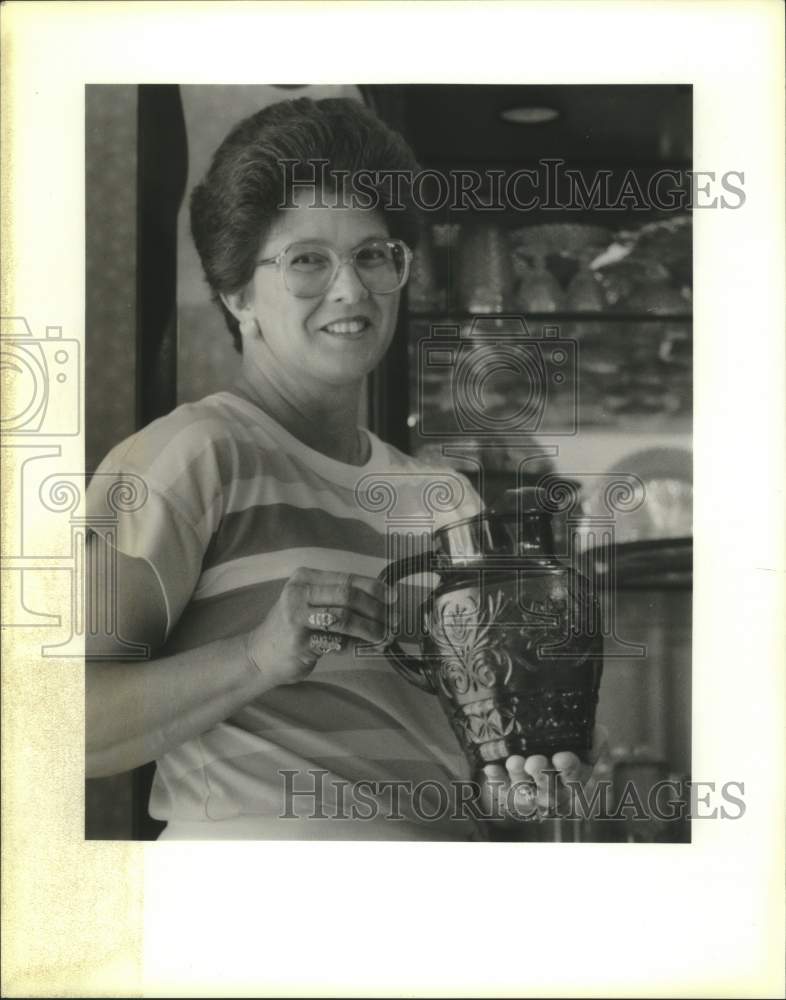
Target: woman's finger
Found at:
x=516, y=768
x=536, y=767
x=494, y=772
x=570, y=767
x=494, y=788
x=523, y=800
x=348, y=597
x=328, y=578
x=539, y=769
x=347, y=623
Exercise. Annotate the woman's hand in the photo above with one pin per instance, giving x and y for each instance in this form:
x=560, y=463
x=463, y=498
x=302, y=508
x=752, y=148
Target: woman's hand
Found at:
x=280, y=646
x=533, y=787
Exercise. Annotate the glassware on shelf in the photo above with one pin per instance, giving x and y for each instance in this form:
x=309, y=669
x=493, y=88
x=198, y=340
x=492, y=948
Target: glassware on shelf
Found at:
x=585, y=292
x=547, y=239
x=423, y=291
x=583, y=243
x=538, y=290
x=656, y=254
x=484, y=270
x=658, y=297
x=618, y=280
x=667, y=242
x=663, y=495
x=645, y=287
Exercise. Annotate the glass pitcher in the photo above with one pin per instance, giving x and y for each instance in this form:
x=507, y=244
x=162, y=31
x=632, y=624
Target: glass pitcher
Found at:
x=511, y=637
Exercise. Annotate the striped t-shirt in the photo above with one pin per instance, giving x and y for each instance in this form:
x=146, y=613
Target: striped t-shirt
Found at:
x=234, y=505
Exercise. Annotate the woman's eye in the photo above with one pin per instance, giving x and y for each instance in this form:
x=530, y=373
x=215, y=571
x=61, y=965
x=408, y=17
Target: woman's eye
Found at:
x=373, y=256
x=309, y=260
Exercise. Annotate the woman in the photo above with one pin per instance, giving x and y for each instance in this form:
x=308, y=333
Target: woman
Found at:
x=250, y=570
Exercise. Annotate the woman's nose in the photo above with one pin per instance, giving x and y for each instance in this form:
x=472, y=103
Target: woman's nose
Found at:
x=346, y=285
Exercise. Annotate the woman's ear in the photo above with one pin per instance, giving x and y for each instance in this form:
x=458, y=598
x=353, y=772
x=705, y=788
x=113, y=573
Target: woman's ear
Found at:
x=238, y=304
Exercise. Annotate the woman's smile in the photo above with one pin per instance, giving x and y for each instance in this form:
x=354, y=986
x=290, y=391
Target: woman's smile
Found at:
x=349, y=328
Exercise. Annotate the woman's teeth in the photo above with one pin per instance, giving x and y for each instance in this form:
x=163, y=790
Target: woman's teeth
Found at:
x=347, y=326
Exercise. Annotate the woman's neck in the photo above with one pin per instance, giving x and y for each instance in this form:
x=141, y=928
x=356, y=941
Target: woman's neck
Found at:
x=329, y=426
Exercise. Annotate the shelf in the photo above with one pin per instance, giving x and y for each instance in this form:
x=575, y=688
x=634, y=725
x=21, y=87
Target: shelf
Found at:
x=449, y=316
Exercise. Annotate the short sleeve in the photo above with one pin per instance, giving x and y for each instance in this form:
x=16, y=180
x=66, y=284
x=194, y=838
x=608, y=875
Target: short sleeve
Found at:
x=152, y=530
x=158, y=496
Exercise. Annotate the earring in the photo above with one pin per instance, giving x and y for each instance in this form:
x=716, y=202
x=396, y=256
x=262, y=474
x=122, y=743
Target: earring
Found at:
x=249, y=328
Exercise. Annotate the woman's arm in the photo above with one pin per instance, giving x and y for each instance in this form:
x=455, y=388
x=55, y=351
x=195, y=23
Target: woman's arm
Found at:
x=137, y=711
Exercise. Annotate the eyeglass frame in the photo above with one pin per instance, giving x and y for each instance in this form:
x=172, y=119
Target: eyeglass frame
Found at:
x=343, y=259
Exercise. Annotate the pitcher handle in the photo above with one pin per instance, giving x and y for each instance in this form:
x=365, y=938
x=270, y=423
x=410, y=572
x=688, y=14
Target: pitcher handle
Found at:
x=410, y=667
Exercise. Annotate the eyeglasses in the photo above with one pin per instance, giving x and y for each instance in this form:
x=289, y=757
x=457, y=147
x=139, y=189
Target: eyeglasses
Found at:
x=309, y=269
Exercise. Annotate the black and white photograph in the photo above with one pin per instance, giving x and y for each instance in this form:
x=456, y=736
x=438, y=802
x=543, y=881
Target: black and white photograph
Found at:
x=393, y=423
x=528, y=333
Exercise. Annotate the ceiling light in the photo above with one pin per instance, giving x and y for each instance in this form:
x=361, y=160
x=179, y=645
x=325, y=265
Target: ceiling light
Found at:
x=529, y=115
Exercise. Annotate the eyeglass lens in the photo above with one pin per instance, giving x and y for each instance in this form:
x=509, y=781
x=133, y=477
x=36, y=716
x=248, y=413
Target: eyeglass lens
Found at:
x=309, y=268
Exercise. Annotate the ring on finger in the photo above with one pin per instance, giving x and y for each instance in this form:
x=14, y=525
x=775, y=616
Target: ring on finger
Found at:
x=324, y=642
x=322, y=619
x=525, y=792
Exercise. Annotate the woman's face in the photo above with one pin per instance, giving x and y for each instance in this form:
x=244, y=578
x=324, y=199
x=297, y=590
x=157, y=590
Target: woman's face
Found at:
x=339, y=337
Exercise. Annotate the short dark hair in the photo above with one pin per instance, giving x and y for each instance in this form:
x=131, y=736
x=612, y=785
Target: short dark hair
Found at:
x=238, y=199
